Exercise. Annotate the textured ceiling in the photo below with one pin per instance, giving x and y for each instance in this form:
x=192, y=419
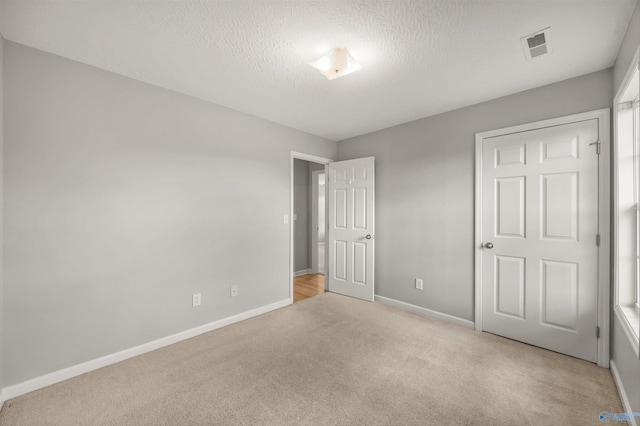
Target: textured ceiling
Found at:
x=419, y=58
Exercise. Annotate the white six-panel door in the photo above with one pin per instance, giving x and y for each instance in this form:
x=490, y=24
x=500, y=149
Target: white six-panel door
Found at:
x=539, y=256
x=350, y=242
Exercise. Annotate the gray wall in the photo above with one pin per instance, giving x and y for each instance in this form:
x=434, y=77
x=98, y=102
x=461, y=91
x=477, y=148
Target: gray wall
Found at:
x=622, y=352
x=627, y=49
x=425, y=189
x=301, y=227
x=121, y=200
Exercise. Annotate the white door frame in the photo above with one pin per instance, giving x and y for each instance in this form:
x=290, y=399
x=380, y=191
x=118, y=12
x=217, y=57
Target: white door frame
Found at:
x=604, y=223
x=306, y=157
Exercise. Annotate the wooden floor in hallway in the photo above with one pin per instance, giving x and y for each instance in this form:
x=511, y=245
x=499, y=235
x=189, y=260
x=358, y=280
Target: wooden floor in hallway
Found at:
x=305, y=286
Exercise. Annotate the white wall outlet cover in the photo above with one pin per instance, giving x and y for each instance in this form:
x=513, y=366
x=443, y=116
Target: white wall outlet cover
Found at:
x=196, y=300
x=286, y=219
x=234, y=290
x=419, y=283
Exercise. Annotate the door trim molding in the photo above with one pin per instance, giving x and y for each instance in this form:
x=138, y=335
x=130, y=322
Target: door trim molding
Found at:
x=294, y=155
x=604, y=222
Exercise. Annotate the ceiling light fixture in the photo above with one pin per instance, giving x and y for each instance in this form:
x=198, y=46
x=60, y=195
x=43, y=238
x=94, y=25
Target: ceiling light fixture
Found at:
x=336, y=63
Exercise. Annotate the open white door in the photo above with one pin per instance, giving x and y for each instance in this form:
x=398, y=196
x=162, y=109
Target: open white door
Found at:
x=350, y=242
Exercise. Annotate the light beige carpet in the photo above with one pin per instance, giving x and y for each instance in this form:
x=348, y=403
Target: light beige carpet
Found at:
x=331, y=360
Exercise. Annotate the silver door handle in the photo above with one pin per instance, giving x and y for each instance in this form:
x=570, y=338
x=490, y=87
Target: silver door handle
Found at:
x=488, y=245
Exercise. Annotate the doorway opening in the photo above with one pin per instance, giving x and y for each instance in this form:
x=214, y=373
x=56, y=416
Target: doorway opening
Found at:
x=308, y=226
x=350, y=222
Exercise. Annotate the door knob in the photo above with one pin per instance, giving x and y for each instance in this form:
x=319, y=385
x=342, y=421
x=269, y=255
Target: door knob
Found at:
x=368, y=236
x=488, y=245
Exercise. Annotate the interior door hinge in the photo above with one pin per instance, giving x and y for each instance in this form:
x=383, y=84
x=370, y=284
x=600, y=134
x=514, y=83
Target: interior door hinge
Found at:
x=625, y=105
x=597, y=332
x=597, y=144
x=598, y=240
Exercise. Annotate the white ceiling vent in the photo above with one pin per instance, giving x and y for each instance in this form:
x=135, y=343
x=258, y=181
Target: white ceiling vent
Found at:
x=537, y=44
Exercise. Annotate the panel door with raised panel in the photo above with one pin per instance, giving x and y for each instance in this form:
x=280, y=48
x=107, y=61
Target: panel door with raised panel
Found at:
x=351, y=227
x=539, y=227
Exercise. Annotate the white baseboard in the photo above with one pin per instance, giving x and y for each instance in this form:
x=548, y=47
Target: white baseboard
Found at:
x=623, y=395
x=76, y=370
x=425, y=312
x=302, y=272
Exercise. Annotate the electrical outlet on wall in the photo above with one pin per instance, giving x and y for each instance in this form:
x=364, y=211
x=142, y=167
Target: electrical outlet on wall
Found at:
x=234, y=290
x=419, y=283
x=196, y=300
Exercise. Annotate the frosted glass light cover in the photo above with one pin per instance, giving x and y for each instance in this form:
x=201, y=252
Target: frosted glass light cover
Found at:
x=336, y=63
